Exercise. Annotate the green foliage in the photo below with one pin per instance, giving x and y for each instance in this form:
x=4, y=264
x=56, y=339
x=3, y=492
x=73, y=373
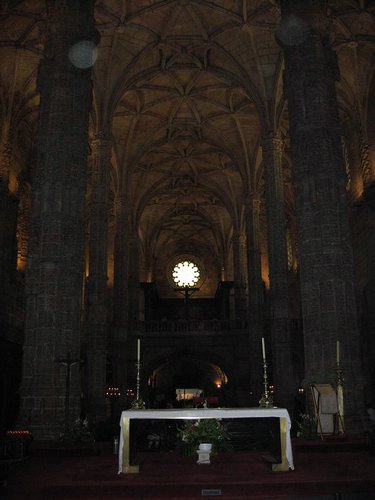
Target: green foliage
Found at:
x=79, y=432
x=208, y=430
x=307, y=426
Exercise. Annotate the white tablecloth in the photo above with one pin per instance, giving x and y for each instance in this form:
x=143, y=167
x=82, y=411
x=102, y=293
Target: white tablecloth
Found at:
x=196, y=413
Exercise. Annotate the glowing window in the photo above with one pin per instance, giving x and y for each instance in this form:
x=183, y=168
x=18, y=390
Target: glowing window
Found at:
x=186, y=274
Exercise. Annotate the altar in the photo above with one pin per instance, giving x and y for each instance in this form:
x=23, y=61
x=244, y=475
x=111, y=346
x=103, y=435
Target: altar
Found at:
x=198, y=413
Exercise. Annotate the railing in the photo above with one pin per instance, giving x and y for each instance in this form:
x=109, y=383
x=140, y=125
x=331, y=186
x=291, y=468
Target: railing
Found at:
x=190, y=327
x=206, y=327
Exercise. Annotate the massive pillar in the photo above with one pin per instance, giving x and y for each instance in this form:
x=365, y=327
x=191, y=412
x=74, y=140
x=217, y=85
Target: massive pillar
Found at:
x=325, y=251
x=8, y=225
x=120, y=296
x=241, y=374
x=133, y=277
x=255, y=287
x=239, y=268
x=5, y=159
x=120, y=284
x=97, y=280
x=50, y=390
x=254, y=263
x=278, y=272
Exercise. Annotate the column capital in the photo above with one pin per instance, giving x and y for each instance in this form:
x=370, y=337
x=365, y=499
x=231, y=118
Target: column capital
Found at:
x=253, y=195
x=253, y=201
x=121, y=203
x=272, y=141
x=238, y=235
x=101, y=144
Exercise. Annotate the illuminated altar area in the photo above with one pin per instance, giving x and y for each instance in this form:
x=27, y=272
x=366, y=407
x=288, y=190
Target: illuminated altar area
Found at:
x=286, y=464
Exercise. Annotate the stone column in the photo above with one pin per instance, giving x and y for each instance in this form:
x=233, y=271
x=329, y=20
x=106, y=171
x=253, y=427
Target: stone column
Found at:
x=55, y=260
x=120, y=300
x=255, y=287
x=133, y=277
x=223, y=298
x=278, y=272
x=120, y=289
x=148, y=292
x=254, y=264
x=239, y=266
x=325, y=251
x=8, y=225
x=367, y=171
x=23, y=225
x=5, y=159
x=97, y=280
x=241, y=373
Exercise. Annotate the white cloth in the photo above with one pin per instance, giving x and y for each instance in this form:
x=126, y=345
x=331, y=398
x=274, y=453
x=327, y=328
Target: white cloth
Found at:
x=326, y=397
x=196, y=413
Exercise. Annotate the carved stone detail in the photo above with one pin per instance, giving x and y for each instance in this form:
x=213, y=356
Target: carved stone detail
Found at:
x=55, y=266
x=255, y=291
x=120, y=266
x=326, y=262
x=278, y=269
x=97, y=313
x=255, y=284
x=367, y=173
x=239, y=268
x=5, y=159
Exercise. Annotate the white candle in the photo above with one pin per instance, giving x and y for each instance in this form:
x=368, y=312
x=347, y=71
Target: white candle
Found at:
x=337, y=351
x=263, y=349
x=138, y=350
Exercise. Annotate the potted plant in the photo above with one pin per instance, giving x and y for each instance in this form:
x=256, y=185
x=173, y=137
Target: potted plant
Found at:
x=80, y=432
x=307, y=426
x=203, y=431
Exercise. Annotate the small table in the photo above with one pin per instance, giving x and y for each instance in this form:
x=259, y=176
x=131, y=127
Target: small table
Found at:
x=198, y=413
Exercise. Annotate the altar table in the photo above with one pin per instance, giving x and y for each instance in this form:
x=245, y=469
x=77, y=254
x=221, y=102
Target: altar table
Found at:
x=198, y=413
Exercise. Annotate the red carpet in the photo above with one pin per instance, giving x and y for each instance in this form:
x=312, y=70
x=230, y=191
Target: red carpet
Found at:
x=241, y=475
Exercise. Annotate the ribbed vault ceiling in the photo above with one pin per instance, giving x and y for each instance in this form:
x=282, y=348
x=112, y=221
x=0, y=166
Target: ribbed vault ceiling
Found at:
x=185, y=89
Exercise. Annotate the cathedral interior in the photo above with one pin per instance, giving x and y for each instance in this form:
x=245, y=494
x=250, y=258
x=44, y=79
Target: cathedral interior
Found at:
x=238, y=136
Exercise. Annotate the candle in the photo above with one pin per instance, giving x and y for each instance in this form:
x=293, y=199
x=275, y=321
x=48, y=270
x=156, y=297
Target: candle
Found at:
x=263, y=349
x=337, y=351
x=138, y=350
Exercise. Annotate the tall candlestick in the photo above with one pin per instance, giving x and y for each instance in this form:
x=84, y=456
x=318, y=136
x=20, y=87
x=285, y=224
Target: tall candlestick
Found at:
x=138, y=403
x=337, y=351
x=266, y=400
x=263, y=349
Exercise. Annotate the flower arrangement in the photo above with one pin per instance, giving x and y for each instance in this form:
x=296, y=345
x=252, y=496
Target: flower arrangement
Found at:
x=79, y=432
x=210, y=430
x=307, y=426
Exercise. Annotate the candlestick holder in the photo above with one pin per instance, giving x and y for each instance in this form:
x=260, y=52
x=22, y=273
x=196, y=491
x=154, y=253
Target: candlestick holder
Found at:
x=339, y=375
x=340, y=396
x=266, y=400
x=138, y=403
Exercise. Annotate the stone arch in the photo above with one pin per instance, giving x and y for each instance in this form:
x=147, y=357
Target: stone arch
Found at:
x=187, y=368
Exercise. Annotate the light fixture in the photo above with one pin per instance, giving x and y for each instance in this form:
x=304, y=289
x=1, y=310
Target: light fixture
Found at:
x=186, y=274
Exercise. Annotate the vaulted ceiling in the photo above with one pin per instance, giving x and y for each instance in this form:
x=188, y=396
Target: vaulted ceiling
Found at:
x=185, y=89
